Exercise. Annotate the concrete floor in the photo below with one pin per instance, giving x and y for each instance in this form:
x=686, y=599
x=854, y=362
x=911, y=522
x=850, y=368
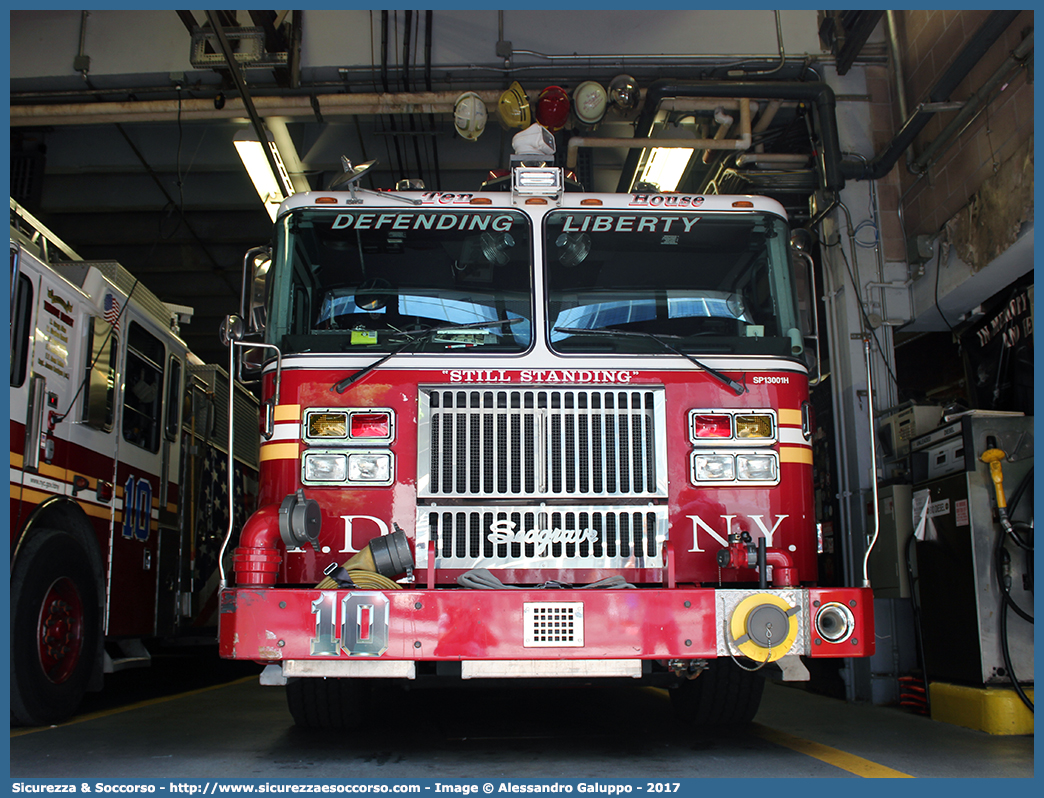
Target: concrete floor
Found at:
x=243, y=731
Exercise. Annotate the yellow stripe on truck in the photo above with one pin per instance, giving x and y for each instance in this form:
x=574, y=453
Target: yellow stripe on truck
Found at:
x=795, y=454
x=36, y=497
x=287, y=413
x=286, y=451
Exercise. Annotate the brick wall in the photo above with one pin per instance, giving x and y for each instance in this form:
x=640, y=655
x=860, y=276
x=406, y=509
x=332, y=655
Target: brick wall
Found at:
x=928, y=42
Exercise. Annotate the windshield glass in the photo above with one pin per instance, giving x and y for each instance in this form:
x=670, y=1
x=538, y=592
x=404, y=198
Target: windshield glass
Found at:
x=366, y=280
x=708, y=283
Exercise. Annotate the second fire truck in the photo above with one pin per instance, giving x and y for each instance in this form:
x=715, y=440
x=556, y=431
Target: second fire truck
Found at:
x=120, y=487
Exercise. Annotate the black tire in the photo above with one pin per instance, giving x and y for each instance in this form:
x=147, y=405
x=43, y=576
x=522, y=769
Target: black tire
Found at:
x=723, y=695
x=317, y=703
x=55, y=628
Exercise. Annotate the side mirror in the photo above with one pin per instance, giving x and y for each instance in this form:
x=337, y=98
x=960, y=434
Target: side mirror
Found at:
x=232, y=328
x=256, y=264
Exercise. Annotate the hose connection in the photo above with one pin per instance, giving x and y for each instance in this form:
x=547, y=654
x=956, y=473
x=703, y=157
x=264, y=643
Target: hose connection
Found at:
x=743, y=553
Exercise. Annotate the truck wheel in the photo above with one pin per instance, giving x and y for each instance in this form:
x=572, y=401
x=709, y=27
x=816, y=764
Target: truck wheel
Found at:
x=723, y=695
x=317, y=703
x=55, y=629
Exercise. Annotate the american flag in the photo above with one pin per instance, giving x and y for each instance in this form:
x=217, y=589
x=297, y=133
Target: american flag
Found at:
x=112, y=311
x=213, y=506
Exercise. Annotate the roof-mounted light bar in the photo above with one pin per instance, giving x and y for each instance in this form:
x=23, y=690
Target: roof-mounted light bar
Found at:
x=537, y=181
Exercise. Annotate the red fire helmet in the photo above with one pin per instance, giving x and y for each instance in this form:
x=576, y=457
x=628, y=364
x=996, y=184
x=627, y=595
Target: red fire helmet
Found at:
x=553, y=108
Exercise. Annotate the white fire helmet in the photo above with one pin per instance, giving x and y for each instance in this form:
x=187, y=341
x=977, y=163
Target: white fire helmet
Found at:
x=589, y=102
x=469, y=115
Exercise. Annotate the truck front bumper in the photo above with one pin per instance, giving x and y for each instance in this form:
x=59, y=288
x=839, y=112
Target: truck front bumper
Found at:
x=309, y=630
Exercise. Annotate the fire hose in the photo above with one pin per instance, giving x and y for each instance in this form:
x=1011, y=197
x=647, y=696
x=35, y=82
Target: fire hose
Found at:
x=993, y=457
x=481, y=579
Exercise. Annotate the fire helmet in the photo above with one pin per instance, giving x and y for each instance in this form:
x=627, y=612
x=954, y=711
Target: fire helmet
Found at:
x=624, y=93
x=513, y=107
x=469, y=115
x=589, y=102
x=553, y=108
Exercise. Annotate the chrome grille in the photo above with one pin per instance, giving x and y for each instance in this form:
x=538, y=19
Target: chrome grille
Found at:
x=541, y=442
x=542, y=537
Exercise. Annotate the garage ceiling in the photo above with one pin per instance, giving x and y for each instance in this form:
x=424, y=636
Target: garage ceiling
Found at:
x=139, y=167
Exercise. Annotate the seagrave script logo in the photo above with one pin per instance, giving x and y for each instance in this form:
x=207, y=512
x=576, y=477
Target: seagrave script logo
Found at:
x=505, y=531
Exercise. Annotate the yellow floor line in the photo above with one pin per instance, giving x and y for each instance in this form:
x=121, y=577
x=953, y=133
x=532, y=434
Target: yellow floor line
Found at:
x=21, y=732
x=850, y=762
x=824, y=753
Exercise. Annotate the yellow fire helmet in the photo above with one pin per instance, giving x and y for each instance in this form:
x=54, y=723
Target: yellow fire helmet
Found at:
x=513, y=107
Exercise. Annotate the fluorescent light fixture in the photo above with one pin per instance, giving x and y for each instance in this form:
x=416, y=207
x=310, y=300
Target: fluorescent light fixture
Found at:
x=665, y=167
x=253, y=157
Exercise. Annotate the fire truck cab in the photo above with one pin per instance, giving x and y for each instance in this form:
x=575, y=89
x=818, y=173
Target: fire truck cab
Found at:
x=532, y=433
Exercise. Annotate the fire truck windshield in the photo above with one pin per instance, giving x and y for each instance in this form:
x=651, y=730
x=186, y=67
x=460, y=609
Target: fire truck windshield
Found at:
x=711, y=282
x=371, y=280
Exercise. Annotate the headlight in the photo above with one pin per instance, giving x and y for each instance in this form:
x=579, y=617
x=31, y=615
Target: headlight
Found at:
x=327, y=467
x=714, y=468
x=756, y=467
x=371, y=467
x=324, y=467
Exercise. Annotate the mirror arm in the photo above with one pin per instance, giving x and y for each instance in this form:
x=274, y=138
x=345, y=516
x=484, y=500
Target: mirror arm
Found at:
x=270, y=404
x=814, y=302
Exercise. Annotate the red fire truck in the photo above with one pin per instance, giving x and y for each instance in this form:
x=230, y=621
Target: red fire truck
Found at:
x=531, y=434
x=119, y=481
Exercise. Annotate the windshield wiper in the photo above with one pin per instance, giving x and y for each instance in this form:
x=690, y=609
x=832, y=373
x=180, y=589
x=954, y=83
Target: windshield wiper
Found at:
x=342, y=386
x=737, y=388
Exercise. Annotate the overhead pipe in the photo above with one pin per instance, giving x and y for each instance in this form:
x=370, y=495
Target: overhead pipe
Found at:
x=817, y=94
x=777, y=160
x=985, y=37
x=972, y=107
x=897, y=64
x=724, y=124
x=384, y=84
x=191, y=109
x=742, y=142
x=428, y=17
x=406, y=40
